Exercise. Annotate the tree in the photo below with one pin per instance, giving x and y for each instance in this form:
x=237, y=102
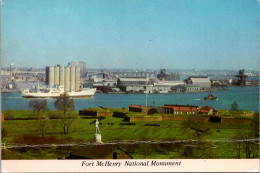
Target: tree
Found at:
x=4, y=133
x=37, y=106
x=234, y=106
x=245, y=142
x=42, y=124
x=66, y=105
x=196, y=123
x=254, y=128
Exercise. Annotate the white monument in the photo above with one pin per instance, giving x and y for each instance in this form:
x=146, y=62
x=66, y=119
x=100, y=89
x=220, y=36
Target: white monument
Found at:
x=97, y=136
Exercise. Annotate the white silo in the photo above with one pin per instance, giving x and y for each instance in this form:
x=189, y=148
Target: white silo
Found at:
x=67, y=79
x=62, y=76
x=51, y=76
x=56, y=75
x=77, y=82
x=72, y=77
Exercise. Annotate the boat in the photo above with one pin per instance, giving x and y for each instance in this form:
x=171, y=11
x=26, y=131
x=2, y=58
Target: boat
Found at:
x=57, y=91
x=210, y=97
x=85, y=92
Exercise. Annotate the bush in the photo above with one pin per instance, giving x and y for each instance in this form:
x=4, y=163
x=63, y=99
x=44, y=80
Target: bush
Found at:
x=52, y=115
x=9, y=116
x=29, y=138
x=151, y=124
x=127, y=124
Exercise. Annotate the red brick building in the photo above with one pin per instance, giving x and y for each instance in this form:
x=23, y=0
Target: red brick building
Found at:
x=206, y=110
x=137, y=108
x=180, y=109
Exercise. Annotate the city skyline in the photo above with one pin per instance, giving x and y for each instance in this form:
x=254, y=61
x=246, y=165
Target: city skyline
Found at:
x=175, y=34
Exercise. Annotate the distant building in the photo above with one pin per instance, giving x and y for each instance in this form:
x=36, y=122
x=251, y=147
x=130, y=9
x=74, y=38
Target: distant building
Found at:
x=81, y=65
x=163, y=76
x=69, y=77
x=124, y=82
x=108, y=151
x=199, y=81
x=241, y=78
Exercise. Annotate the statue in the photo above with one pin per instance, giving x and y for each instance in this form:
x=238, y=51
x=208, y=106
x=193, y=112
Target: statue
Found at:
x=96, y=126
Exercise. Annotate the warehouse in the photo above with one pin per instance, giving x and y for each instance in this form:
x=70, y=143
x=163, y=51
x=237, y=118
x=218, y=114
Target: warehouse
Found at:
x=203, y=82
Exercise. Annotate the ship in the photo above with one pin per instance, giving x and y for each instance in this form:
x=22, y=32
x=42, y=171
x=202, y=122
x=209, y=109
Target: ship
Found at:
x=210, y=97
x=57, y=91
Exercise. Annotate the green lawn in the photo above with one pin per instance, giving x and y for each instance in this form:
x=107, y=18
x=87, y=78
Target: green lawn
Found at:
x=83, y=131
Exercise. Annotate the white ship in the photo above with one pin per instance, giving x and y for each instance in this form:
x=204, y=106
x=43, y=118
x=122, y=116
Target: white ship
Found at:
x=57, y=91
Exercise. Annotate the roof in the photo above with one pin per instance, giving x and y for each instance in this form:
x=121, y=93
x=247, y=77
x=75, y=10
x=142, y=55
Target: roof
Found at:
x=198, y=76
x=205, y=109
x=196, y=80
x=169, y=83
x=134, y=79
x=137, y=106
x=182, y=107
x=96, y=151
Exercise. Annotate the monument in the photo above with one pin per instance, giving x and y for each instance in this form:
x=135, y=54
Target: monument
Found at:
x=97, y=136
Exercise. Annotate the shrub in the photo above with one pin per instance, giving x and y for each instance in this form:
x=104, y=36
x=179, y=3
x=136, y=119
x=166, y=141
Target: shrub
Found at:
x=9, y=116
x=151, y=124
x=52, y=115
x=29, y=138
x=127, y=124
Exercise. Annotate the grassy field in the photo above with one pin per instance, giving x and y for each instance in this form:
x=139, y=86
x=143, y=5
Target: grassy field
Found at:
x=113, y=129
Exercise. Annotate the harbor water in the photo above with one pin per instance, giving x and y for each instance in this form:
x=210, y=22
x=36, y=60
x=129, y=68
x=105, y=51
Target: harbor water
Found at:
x=247, y=98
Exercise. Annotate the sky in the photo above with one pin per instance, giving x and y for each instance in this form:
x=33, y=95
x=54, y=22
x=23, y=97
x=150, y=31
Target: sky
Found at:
x=149, y=34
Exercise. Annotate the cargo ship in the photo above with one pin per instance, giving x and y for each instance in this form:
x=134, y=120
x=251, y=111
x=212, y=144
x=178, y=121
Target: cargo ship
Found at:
x=57, y=91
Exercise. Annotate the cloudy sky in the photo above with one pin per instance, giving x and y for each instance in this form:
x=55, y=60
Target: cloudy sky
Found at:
x=174, y=34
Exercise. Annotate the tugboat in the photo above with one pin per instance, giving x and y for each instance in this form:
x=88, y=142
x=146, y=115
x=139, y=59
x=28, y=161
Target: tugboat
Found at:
x=210, y=97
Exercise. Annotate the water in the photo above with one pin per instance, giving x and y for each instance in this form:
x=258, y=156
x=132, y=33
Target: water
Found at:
x=247, y=98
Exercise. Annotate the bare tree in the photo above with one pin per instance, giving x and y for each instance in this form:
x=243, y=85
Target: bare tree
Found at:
x=42, y=124
x=66, y=105
x=37, y=106
x=245, y=142
x=196, y=123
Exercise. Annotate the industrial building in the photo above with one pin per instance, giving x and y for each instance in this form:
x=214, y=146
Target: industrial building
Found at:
x=201, y=82
x=163, y=76
x=158, y=87
x=81, y=65
x=123, y=82
x=69, y=77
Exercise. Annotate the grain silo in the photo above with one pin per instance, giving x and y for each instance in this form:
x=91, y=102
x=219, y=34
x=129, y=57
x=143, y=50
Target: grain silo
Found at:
x=51, y=76
x=56, y=75
x=62, y=76
x=67, y=79
x=72, y=77
x=77, y=82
